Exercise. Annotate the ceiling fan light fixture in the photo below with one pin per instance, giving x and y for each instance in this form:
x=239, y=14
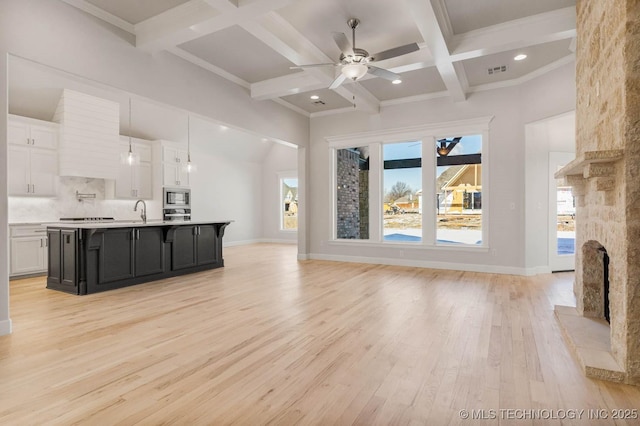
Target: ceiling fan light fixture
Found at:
x=315, y=97
x=520, y=57
x=396, y=81
x=354, y=71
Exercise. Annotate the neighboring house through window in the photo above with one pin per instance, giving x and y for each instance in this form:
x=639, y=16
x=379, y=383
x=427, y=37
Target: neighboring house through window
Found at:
x=288, y=203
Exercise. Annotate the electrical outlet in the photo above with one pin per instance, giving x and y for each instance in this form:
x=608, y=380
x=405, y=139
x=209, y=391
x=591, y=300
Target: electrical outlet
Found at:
x=512, y=206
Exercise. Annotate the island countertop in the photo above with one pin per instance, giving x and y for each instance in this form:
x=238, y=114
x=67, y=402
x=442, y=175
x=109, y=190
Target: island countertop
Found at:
x=129, y=223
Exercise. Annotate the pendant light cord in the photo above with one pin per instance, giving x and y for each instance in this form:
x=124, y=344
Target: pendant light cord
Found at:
x=188, y=138
x=130, y=126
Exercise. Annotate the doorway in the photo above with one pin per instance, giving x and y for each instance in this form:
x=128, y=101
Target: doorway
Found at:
x=562, y=216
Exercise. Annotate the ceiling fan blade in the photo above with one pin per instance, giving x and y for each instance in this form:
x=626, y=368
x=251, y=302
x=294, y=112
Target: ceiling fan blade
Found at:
x=338, y=81
x=313, y=66
x=386, y=74
x=396, y=51
x=343, y=43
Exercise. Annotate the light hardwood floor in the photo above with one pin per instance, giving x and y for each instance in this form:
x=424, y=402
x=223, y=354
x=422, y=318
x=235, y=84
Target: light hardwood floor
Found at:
x=269, y=340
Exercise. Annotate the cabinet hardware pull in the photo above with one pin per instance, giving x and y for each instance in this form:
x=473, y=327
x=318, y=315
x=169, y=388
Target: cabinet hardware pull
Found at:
x=28, y=188
x=33, y=188
x=41, y=243
x=46, y=242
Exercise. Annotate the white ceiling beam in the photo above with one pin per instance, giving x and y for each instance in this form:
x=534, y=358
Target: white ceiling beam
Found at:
x=428, y=15
x=91, y=9
x=222, y=5
x=208, y=66
x=277, y=33
x=545, y=27
x=196, y=19
x=290, y=84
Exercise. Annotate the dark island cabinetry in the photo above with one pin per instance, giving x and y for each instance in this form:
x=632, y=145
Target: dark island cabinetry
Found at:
x=63, y=274
x=195, y=246
x=97, y=257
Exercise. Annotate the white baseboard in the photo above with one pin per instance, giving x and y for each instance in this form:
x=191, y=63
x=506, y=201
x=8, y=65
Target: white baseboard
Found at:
x=239, y=243
x=303, y=256
x=5, y=327
x=258, y=241
x=541, y=270
x=492, y=269
x=278, y=241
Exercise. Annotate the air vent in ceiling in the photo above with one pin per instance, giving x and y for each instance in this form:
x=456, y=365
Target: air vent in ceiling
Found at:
x=319, y=102
x=496, y=70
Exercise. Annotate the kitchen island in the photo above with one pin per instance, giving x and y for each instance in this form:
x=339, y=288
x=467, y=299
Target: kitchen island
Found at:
x=86, y=258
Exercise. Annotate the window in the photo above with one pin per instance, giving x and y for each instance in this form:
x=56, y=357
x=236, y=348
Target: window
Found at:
x=459, y=190
x=420, y=186
x=289, y=203
x=402, y=196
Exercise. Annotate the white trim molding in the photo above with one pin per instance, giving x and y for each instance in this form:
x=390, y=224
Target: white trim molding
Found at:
x=459, y=127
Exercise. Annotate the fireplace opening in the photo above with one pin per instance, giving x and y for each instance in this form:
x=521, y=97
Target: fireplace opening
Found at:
x=595, y=279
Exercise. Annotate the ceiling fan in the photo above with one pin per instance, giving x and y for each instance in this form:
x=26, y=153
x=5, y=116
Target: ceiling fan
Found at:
x=356, y=62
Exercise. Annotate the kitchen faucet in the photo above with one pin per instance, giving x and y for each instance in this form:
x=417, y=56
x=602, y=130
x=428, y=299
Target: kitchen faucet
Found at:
x=143, y=212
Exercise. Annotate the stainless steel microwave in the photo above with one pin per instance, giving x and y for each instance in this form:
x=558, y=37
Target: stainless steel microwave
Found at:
x=176, y=198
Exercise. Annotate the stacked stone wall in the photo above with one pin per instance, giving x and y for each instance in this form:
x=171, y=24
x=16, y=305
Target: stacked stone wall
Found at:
x=608, y=118
x=348, y=194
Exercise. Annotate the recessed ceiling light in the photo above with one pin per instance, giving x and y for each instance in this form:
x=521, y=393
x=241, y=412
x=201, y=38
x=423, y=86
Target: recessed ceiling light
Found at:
x=314, y=97
x=398, y=81
x=520, y=57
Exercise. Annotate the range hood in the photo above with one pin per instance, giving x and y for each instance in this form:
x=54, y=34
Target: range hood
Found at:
x=89, y=136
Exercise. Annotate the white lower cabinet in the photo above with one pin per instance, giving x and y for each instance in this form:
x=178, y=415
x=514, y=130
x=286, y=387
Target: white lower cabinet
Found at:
x=28, y=249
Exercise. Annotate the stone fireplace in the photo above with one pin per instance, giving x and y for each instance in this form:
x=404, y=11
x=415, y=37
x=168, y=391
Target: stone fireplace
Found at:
x=605, y=177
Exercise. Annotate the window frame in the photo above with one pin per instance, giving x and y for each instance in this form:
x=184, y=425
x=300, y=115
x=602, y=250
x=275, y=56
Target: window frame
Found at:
x=428, y=134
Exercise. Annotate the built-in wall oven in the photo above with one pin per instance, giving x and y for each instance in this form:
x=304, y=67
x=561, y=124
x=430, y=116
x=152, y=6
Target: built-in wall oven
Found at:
x=178, y=215
x=176, y=204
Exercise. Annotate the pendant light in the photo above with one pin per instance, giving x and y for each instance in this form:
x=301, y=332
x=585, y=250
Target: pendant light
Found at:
x=130, y=158
x=190, y=168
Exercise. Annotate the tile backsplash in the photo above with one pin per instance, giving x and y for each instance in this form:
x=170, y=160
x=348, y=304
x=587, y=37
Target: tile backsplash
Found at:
x=36, y=209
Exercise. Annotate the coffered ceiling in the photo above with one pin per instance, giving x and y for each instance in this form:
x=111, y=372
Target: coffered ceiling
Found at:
x=254, y=43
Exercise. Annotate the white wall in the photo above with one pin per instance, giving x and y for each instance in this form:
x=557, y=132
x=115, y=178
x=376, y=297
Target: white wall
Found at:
x=227, y=189
x=280, y=159
x=554, y=134
x=550, y=94
x=5, y=321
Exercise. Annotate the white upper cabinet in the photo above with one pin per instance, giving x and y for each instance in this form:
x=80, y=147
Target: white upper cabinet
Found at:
x=133, y=181
x=33, y=158
x=22, y=131
x=174, y=166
